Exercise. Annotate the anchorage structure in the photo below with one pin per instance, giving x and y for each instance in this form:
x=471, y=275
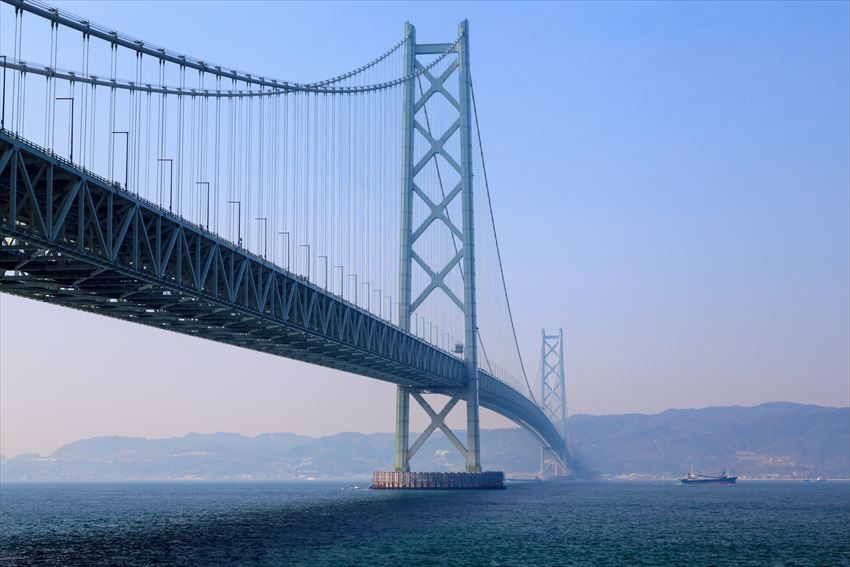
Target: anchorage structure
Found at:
x=553, y=399
x=417, y=132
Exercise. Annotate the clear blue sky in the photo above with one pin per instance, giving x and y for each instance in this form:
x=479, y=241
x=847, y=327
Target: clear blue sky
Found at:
x=671, y=185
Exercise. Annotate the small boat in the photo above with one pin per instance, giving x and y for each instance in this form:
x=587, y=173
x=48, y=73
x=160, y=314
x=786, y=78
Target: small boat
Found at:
x=351, y=487
x=820, y=479
x=722, y=478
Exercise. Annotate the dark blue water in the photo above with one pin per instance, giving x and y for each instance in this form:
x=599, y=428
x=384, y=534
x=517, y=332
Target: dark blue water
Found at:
x=594, y=523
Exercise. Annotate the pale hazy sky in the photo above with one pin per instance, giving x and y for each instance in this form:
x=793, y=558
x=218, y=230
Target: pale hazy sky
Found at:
x=671, y=185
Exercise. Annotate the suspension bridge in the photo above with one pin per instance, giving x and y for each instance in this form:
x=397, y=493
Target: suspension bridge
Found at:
x=334, y=222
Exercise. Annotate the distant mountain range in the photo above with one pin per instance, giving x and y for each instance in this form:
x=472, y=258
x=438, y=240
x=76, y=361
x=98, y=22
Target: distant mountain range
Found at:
x=774, y=440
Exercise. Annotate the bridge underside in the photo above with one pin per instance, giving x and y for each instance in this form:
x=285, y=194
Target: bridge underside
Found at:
x=36, y=271
x=72, y=239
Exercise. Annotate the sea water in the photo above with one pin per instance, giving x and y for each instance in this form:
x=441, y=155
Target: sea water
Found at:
x=529, y=523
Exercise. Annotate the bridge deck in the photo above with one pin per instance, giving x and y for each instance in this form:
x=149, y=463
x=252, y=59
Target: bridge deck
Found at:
x=73, y=239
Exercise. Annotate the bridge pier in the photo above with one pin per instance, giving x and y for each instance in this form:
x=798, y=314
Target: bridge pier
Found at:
x=553, y=400
x=402, y=478
x=405, y=451
x=414, y=129
x=402, y=429
x=397, y=480
x=473, y=457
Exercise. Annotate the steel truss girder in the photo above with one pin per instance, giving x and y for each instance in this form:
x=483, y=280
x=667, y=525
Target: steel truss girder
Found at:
x=65, y=239
x=63, y=214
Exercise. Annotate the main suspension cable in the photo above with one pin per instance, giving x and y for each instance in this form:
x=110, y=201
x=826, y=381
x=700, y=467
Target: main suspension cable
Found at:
x=496, y=239
x=115, y=39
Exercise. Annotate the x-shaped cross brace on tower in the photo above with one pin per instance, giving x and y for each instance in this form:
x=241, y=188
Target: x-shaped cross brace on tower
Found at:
x=438, y=421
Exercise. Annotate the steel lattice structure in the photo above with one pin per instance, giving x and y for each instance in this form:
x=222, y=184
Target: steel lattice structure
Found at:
x=416, y=124
x=553, y=398
x=128, y=246
x=70, y=238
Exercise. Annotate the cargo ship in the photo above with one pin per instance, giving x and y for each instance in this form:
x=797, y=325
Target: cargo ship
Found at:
x=694, y=478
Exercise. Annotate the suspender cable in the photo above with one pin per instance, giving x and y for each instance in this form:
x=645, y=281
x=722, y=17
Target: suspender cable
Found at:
x=496, y=239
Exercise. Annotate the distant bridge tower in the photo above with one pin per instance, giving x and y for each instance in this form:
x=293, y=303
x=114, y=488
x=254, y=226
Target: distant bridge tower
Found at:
x=417, y=133
x=553, y=400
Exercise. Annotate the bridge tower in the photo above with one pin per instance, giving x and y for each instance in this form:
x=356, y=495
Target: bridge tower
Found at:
x=419, y=88
x=553, y=400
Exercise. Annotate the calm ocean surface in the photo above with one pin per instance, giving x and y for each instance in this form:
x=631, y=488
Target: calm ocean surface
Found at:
x=580, y=523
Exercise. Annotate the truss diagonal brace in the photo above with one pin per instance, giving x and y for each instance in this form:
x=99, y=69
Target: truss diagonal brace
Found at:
x=437, y=422
x=437, y=280
x=437, y=147
x=437, y=212
x=436, y=86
